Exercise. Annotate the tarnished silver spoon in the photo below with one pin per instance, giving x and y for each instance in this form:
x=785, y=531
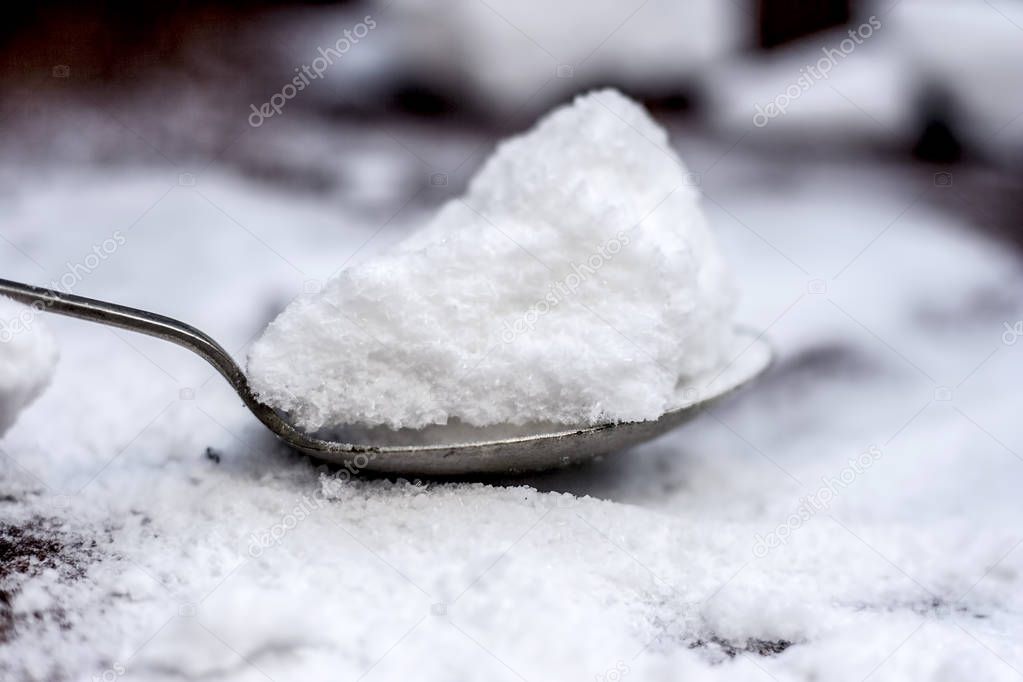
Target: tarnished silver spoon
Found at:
x=440, y=450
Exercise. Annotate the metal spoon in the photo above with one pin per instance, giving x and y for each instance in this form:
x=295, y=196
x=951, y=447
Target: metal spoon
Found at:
x=440, y=450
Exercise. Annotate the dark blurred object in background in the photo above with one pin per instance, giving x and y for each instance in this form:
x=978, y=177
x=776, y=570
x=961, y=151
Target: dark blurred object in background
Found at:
x=108, y=41
x=782, y=21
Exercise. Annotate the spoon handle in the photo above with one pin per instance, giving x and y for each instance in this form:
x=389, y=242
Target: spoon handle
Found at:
x=162, y=327
x=132, y=319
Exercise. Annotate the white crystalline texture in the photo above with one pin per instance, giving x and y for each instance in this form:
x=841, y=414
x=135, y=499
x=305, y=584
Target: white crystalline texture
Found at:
x=28, y=357
x=575, y=282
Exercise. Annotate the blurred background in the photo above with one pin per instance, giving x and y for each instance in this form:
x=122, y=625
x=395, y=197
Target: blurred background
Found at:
x=931, y=82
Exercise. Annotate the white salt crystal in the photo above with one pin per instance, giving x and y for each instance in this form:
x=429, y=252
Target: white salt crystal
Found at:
x=28, y=357
x=575, y=282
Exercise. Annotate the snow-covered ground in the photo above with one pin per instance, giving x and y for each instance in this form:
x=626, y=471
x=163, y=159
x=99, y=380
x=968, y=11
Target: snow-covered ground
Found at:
x=151, y=530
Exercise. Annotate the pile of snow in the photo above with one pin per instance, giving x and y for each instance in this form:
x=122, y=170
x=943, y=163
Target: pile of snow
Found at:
x=28, y=357
x=575, y=282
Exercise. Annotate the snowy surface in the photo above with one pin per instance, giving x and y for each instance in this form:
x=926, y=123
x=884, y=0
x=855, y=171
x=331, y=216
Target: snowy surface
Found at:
x=856, y=513
x=28, y=358
x=576, y=282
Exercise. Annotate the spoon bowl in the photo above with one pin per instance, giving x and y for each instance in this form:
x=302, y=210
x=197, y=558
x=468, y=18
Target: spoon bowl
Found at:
x=452, y=449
